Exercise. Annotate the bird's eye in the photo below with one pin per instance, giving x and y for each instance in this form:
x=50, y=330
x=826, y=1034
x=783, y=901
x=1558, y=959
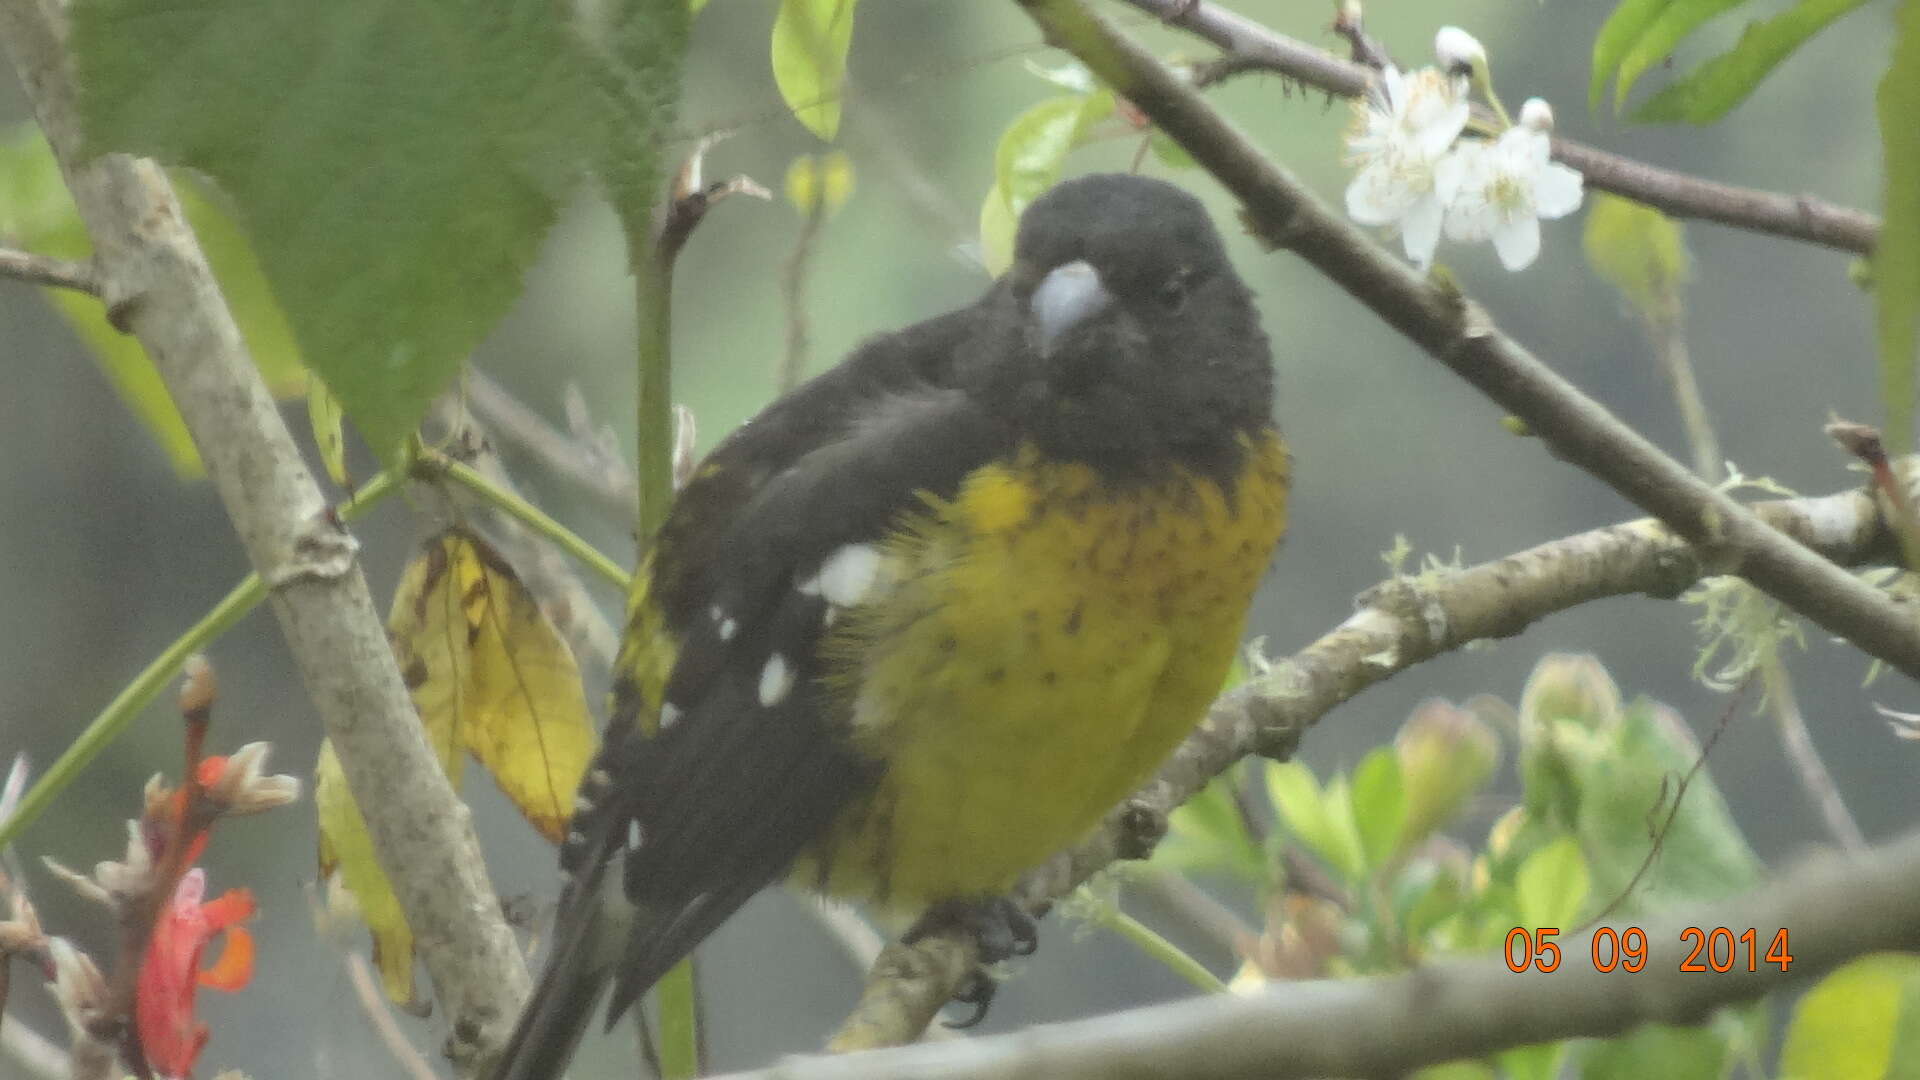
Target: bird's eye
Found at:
x=1172, y=293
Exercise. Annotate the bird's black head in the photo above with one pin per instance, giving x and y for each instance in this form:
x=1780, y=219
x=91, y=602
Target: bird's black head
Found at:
x=1137, y=344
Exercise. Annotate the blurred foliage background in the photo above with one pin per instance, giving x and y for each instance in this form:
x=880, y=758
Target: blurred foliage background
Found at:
x=105, y=555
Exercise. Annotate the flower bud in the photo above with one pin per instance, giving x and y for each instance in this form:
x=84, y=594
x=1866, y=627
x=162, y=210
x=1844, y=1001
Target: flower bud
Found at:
x=1459, y=52
x=1537, y=114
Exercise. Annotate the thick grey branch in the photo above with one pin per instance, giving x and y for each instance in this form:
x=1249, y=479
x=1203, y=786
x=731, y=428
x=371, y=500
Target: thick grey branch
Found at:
x=1834, y=908
x=1400, y=622
x=157, y=284
x=1796, y=217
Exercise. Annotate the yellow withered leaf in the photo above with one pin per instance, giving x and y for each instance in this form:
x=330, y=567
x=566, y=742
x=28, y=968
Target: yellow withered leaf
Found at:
x=489, y=675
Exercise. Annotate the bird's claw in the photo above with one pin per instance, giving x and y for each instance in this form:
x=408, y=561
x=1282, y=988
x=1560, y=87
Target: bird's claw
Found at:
x=1000, y=931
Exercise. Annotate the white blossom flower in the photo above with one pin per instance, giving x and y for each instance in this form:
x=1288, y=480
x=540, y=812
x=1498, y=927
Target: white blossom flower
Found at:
x=1402, y=131
x=1500, y=190
x=1459, y=52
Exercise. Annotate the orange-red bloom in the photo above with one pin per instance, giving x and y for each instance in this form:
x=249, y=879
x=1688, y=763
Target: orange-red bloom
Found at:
x=170, y=1035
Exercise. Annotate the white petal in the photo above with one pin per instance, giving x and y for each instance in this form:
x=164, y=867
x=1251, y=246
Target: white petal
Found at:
x=1518, y=241
x=1438, y=132
x=1536, y=114
x=1452, y=172
x=1556, y=192
x=1420, y=230
x=1374, y=198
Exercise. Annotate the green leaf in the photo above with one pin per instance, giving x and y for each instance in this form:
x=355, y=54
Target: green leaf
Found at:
x=1551, y=885
x=1457, y=1070
x=1207, y=832
x=36, y=213
x=1684, y=1053
x=1028, y=160
x=1379, y=805
x=810, y=42
x=1628, y=783
x=1541, y=1061
x=1640, y=251
x=1706, y=93
x=1656, y=42
x=1321, y=820
x=396, y=165
x=1862, y=1022
x=1896, y=260
x=1170, y=153
x=1622, y=28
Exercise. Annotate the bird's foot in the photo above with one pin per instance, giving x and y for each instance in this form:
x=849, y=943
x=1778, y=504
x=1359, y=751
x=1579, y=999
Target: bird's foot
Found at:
x=1000, y=931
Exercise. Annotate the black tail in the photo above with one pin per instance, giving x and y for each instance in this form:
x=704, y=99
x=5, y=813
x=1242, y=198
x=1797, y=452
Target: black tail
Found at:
x=558, y=1012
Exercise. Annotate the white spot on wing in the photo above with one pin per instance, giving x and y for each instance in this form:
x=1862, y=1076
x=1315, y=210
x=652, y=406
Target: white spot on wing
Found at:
x=728, y=628
x=634, y=835
x=775, y=680
x=581, y=804
x=849, y=574
x=669, y=715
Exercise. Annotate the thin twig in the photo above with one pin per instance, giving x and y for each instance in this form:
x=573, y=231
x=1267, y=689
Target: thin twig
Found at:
x=793, y=293
x=580, y=461
x=1808, y=768
x=47, y=270
x=374, y=1005
x=1795, y=217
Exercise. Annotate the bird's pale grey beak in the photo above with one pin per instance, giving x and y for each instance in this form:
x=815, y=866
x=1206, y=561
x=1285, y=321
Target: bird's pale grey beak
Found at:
x=1067, y=297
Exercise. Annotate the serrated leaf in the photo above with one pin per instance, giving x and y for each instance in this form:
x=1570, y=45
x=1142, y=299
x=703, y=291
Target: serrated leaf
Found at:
x=1862, y=1022
x=1028, y=160
x=1379, y=805
x=449, y=133
x=37, y=214
x=810, y=42
x=1639, y=251
x=1706, y=93
x=811, y=179
x=1896, y=258
x=1551, y=885
x=1630, y=19
x=1675, y=20
x=489, y=675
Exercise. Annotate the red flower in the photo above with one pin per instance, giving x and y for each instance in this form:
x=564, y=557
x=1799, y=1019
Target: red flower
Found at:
x=170, y=1036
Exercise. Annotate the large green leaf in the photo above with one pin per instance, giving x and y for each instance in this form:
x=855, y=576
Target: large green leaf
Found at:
x=810, y=43
x=1706, y=93
x=1642, y=34
x=1617, y=35
x=396, y=165
x=1862, y=1022
x=37, y=214
x=1896, y=261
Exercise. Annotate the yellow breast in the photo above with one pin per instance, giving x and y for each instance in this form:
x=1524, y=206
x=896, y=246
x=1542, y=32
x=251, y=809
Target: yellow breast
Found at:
x=1047, y=639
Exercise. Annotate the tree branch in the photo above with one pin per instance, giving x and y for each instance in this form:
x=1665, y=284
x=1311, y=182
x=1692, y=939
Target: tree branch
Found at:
x=1795, y=217
x=1459, y=333
x=1834, y=908
x=1401, y=622
x=47, y=270
x=157, y=284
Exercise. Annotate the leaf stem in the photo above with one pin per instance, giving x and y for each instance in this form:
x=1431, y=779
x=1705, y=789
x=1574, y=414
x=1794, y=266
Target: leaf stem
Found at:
x=138, y=694
x=528, y=514
x=1144, y=938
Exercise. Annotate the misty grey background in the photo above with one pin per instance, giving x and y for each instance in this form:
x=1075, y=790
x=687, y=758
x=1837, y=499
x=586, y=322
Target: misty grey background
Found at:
x=105, y=557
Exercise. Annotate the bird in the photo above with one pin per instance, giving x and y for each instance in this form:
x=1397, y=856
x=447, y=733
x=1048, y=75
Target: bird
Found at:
x=921, y=622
